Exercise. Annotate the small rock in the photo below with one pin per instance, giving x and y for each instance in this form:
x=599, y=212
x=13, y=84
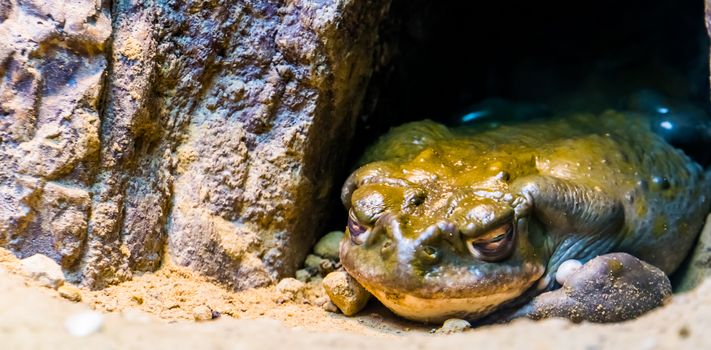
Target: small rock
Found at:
x=44, y=270
x=290, y=289
x=330, y=306
x=84, y=323
x=202, y=313
x=453, y=325
x=138, y=299
x=320, y=301
x=345, y=292
x=70, y=292
x=566, y=269
x=329, y=245
x=303, y=275
x=313, y=262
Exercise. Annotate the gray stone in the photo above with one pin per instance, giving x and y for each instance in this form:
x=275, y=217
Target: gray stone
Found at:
x=303, y=275
x=453, y=325
x=328, y=246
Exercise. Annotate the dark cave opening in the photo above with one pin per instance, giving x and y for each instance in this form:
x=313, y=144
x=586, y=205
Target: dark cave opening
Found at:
x=453, y=54
x=445, y=57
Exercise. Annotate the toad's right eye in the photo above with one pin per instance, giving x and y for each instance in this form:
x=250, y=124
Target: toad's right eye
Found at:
x=355, y=229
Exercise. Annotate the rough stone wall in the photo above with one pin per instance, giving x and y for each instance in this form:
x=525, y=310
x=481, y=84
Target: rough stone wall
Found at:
x=211, y=127
x=52, y=65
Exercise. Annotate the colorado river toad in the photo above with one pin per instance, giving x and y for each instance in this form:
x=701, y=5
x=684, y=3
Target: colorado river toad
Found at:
x=467, y=221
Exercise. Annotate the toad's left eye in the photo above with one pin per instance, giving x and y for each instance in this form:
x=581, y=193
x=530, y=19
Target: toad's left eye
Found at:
x=496, y=245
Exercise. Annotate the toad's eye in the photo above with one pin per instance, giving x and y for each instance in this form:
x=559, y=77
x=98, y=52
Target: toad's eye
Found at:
x=496, y=245
x=355, y=229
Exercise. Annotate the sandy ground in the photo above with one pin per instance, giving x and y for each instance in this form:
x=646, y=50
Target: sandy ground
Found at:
x=156, y=311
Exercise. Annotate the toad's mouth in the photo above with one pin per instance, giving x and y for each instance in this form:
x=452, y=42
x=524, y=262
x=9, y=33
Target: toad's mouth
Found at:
x=438, y=310
x=465, y=292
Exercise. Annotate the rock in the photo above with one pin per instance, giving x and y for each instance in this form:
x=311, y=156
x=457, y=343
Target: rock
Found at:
x=290, y=289
x=70, y=292
x=303, y=275
x=43, y=270
x=227, y=119
x=54, y=61
x=313, y=262
x=328, y=246
x=330, y=306
x=453, y=325
x=202, y=313
x=345, y=292
x=84, y=323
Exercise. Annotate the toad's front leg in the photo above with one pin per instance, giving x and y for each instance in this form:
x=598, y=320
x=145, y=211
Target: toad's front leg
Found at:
x=609, y=288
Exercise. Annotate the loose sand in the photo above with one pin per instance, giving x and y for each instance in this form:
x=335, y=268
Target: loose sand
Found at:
x=156, y=311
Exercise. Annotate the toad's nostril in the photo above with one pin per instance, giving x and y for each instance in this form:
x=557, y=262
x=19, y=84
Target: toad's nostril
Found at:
x=429, y=254
x=387, y=248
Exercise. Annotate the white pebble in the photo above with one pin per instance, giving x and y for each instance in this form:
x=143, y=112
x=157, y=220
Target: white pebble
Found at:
x=566, y=269
x=453, y=325
x=84, y=323
x=43, y=270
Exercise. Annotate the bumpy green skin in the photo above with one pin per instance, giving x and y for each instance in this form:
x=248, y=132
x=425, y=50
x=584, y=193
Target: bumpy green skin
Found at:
x=574, y=188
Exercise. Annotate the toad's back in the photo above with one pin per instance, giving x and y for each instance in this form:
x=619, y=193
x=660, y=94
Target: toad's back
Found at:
x=659, y=187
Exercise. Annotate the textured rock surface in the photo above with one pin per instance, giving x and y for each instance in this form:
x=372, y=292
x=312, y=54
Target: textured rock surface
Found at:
x=209, y=127
x=52, y=61
x=699, y=267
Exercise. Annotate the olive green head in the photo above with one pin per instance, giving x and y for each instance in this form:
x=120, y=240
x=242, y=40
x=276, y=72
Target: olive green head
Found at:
x=435, y=236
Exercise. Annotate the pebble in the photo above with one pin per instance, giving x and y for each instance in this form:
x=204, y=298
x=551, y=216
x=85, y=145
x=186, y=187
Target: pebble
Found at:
x=566, y=269
x=453, y=325
x=202, y=313
x=44, y=270
x=319, y=265
x=329, y=245
x=330, y=306
x=345, y=292
x=303, y=275
x=70, y=292
x=290, y=289
x=84, y=323
x=313, y=262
